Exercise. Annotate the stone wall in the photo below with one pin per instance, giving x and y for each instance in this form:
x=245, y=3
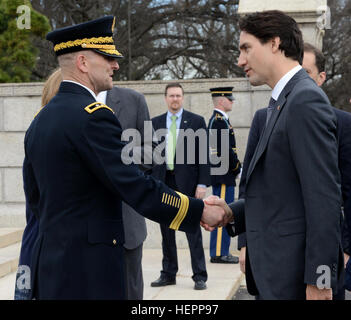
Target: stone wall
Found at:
x=20, y=102
x=311, y=15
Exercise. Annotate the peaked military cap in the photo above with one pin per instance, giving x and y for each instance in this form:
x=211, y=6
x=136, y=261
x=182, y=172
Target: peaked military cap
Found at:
x=92, y=35
x=223, y=92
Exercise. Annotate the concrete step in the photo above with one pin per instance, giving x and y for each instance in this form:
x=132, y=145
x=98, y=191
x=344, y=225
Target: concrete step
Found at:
x=9, y=236
x=7, y=286
x=9, y=258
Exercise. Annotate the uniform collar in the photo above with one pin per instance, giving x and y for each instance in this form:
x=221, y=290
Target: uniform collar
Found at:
x=222, y=112
x=82, y=85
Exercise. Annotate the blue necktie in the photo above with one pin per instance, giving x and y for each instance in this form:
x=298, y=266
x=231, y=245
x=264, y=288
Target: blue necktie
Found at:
x=270, y=109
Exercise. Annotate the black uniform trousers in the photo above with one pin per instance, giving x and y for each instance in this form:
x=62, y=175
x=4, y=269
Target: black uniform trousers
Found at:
x=169, y=247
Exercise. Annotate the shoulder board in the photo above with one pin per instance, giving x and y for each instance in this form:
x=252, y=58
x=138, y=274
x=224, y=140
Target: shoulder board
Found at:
x=96, y=106
x=219, y=117
x=37, y=112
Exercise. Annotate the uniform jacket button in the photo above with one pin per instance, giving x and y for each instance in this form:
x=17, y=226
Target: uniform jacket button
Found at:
x=114, y=241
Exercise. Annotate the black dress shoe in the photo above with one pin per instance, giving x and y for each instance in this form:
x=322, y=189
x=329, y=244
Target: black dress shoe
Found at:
x=225, y=259
x=200, y=285
x=161, y=282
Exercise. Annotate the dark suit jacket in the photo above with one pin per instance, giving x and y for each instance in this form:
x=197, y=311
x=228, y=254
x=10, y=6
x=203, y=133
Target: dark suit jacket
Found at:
x=131, y=110
x=344, y=163
x=291, y=211
x=187, y=176
x=75, y=183
x=257, y=127
x=344, y=137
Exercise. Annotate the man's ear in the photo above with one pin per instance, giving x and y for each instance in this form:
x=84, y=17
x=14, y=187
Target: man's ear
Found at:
x=275, y=42
x=220, y=101
x=321, y=78
x=82, y=63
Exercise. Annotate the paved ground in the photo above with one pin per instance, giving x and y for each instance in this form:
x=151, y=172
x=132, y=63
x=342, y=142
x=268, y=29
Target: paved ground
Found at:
x=7, y=286
x=223, y=279
x=242, y=294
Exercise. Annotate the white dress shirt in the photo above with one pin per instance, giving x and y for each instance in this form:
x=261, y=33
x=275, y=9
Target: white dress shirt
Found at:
x=278, y=88
x=101, y=97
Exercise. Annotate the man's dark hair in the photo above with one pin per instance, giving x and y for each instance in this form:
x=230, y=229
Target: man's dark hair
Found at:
x=320, y=58
x=273, y=23
x=173, y=85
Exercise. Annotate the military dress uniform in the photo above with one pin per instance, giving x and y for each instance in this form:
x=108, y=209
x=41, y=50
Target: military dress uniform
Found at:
x=75, y=182
x=222, y=185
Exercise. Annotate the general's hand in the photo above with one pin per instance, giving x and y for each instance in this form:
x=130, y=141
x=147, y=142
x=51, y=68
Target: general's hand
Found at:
x=346, y=259
x=216, y=201
x=200, y=192
x=242, y=258
x=206, y=226
x=313, y=293
x=212, y=216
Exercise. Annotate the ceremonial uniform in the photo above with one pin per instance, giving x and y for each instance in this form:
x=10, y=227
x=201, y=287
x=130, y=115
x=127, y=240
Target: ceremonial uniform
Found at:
x=75, y=183
x=223, y=185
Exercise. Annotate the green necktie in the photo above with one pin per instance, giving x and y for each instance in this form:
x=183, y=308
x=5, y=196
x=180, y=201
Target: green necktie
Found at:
x=172, y=141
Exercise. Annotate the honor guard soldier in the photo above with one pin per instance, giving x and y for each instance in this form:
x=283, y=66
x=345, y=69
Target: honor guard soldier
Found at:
x=223, y=184
x=75, y=179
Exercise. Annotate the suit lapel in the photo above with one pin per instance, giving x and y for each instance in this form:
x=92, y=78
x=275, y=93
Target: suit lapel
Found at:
x=184, y=124
x=279, y=105
x=113, y=101
x=262, y=144
x=161, y=123
x=186, y=120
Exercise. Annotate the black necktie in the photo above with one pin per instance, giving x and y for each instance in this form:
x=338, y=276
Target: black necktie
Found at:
x=270, y=109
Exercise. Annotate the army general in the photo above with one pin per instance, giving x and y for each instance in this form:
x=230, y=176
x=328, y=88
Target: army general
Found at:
x=75, y=179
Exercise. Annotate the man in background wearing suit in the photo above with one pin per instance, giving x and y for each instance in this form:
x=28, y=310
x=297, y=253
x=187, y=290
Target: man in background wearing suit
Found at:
x=131, y=110
x=189, y=178
x=223, y=185
x=314, y=64
x=291, y=211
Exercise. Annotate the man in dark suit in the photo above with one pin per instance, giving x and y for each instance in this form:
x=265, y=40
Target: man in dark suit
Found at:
x=180, y=173
x=75, y=178
x=291, y=211
x=131, y=110
x=314, y=64
x=223, y=182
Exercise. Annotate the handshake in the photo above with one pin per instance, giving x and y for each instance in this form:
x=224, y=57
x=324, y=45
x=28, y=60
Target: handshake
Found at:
x=216, y=213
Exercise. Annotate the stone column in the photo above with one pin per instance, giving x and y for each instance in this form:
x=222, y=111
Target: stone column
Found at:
x=313, y=16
